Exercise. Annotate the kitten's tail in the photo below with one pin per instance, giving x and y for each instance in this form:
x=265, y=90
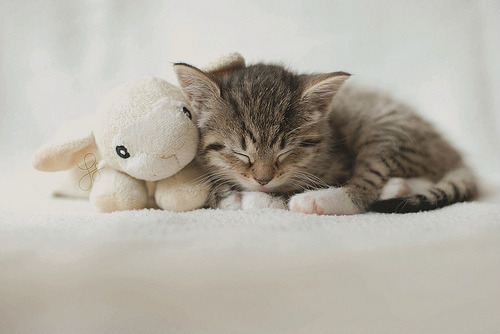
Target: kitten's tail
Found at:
x=458, y=185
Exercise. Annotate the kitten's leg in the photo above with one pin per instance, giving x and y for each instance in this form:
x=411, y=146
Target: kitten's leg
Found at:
x=394, y=188
x=249, y=200
x=225, y=198
x=370, y=175
x=331, y=201
x=418, y=185
x=319, y=202
x=343, y=200
x=260, y=200
x=398, y=187
x=231, y=202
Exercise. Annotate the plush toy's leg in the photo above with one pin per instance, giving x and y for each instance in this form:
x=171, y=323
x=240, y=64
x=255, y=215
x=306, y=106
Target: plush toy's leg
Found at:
x=183, y=191
x=115, y=191
x=75, y=183
x=151, y=186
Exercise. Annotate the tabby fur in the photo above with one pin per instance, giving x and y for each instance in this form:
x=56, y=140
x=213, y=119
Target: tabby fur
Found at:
x=318, y=144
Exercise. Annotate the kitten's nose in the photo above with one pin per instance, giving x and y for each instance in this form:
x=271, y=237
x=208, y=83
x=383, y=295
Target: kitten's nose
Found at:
x=263, y=181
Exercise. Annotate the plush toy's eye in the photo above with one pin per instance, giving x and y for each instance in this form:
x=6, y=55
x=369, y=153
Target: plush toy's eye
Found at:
x=187, y=112
x=122, y=152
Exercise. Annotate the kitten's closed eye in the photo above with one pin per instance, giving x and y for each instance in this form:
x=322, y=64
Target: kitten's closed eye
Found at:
x=244, y=157
x=309, y=143
x=214, y=147
x=282, y=156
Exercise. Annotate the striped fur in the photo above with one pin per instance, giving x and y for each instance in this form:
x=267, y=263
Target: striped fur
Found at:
x=298, y=132
x=457, y=185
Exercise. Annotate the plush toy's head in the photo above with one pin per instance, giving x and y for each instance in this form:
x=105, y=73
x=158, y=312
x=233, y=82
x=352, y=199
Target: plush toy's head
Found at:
x=144, y=128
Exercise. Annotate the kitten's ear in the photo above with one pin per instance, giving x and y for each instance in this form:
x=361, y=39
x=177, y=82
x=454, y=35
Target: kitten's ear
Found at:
x=319, y=89
x=198, y=86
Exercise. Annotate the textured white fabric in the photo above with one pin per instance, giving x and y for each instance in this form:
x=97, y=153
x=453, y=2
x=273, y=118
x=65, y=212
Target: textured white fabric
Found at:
x=66, y=269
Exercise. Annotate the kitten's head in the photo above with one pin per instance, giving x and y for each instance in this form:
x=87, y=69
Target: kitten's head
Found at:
x=261, y=126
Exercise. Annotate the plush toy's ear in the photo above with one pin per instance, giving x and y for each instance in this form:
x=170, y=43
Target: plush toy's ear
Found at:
x=318, y=89
x=225, y=64
x=67, y=147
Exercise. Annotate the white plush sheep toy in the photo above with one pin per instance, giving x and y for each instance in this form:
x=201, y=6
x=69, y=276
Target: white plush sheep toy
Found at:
x=140, y=142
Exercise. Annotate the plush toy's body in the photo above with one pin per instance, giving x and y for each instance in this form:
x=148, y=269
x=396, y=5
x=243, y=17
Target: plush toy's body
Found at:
x=141, y=140
x=141, y=132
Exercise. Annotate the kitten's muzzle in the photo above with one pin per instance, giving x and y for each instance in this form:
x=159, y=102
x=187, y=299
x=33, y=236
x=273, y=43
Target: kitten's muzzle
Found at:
x=263, y=172
x=263, y=181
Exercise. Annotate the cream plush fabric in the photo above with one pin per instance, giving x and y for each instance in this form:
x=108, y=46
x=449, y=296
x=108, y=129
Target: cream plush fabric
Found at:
x=142, y=132
x=144, y=118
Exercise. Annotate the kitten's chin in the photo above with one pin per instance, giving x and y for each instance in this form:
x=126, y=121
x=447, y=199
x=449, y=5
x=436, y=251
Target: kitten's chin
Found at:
x=260, y=188
x=275, y=186
x=264, y=189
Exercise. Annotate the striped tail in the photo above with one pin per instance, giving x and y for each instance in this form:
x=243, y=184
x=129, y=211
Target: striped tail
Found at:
x=458, y=185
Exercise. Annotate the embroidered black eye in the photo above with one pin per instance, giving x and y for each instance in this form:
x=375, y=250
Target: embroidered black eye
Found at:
x=187, y=112
x=122, y=152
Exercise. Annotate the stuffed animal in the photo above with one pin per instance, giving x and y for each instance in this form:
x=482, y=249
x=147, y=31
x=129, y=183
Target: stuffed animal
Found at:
x=141, y=141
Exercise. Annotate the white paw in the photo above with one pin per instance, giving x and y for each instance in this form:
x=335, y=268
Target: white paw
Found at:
x=259, y=200
x=331, y=201
x=394, y=188
x=231, y=202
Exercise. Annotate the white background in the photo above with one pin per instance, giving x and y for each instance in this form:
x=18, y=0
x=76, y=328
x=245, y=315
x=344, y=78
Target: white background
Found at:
x=58, y=58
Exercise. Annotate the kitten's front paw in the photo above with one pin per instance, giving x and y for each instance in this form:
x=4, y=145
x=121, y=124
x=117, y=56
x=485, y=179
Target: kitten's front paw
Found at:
x=231, y=202
x=331, y=201
x=260, y=200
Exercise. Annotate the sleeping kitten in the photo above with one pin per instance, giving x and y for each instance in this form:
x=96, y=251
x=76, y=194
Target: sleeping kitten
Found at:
x=269, y=136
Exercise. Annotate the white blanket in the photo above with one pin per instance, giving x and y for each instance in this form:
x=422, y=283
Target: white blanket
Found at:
x=64, y=269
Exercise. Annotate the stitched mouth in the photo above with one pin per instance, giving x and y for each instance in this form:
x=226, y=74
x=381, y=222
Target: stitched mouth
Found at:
x=165, y=157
